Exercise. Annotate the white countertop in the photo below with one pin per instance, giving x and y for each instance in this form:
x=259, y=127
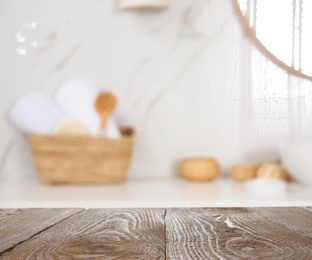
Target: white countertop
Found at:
x=144, y=193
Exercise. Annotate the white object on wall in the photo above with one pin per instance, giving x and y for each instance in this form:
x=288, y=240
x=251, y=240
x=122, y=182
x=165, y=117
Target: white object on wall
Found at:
x=138, y=4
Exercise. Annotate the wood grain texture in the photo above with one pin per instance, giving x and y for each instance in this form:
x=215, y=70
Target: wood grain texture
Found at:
x=237, y=233
x=99, y=234
x=296, y=219
x=17, y=225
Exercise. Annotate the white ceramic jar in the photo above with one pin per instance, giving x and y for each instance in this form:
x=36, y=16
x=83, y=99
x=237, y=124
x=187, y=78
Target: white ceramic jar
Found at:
x=144, y=4
x=296, y=157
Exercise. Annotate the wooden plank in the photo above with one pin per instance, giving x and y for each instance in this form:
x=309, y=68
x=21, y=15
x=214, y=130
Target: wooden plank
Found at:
x=234, y=233
x=298, y=220
x=101, y=234
x=17, y=225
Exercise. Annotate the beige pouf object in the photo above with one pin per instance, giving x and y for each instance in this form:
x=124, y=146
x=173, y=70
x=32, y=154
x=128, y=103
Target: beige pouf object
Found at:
x=244, y=172
x=199, y=169
x=273, y=170
x=70, y=127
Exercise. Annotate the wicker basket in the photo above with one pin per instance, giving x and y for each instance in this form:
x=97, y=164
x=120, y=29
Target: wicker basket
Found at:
x=82, y=160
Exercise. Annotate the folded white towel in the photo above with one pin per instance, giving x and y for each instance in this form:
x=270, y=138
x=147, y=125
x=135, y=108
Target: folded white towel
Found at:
x=35, y=113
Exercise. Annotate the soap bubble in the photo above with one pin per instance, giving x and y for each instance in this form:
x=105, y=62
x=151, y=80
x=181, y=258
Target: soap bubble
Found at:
x=32, y=37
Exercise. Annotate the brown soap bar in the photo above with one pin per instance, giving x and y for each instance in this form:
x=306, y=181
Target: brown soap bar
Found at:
x=273, y=170
x=199, y=169
x=244, y=172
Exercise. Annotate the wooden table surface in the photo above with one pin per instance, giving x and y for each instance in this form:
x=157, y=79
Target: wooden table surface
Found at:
x=191, y=233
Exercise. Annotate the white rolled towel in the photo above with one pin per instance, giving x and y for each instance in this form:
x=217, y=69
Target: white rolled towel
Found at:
x=35, y=113
x=76, y=99
x=111, y=128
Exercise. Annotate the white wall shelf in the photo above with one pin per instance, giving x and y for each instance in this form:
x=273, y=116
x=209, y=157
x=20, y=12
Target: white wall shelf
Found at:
x=144, y=193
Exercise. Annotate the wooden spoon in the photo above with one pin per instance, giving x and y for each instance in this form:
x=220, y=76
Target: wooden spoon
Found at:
x=104, y=104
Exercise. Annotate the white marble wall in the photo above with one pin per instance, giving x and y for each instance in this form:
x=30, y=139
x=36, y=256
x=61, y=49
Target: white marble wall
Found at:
x=178, y=75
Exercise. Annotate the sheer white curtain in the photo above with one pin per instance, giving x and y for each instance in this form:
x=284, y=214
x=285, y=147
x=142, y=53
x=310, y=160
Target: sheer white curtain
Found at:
x=281, y=102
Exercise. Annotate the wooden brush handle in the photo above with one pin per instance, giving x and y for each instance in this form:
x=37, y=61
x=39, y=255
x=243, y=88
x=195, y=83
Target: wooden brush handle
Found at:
x=105, y=104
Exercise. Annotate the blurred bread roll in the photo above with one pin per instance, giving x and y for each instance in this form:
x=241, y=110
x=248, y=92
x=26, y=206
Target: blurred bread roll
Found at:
x=273, y=170
x=199, y=169
x=244, y=172
x=70, y=127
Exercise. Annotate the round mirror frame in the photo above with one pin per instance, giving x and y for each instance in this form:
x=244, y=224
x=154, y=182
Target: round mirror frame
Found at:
x=252, y=33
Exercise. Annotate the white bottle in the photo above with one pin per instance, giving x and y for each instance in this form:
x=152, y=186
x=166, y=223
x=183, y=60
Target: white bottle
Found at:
x=144, y=4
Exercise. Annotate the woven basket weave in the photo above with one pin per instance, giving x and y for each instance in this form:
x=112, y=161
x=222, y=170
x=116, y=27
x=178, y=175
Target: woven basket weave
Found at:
x=82, y=160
